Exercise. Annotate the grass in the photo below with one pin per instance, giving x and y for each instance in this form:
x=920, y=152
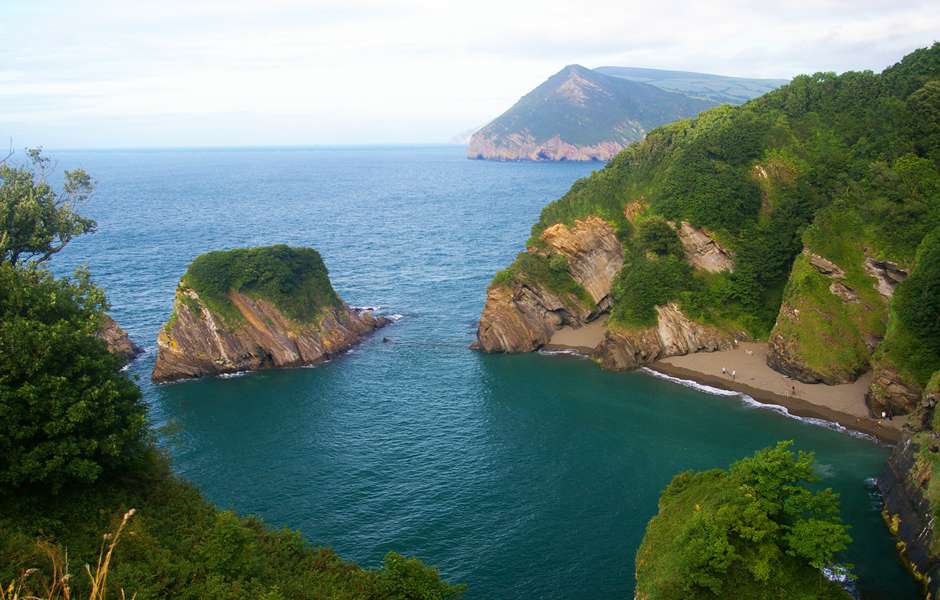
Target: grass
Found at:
x=552, y=272
x=829, y=334
x=295, y=280
x=180, y=546
x=29, y=585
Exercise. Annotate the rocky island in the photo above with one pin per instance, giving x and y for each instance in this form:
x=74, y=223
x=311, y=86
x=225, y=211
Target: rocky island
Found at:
x=801, y=229
x=256, y=308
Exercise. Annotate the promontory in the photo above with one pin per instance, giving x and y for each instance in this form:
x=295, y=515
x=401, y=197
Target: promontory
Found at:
x=255, y=308
x=805, y=223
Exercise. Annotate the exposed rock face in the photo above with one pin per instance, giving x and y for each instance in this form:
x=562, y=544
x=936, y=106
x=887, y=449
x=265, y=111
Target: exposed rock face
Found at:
x=908, y=514
x=197, y=342
x=523, y=146
x=824, y=265
x=594, y=253
x=702, y=251
x=522, y=318
x=117, y=340
x=887, y=275
x=890, y=392
x=844, y=292
x=674, y=334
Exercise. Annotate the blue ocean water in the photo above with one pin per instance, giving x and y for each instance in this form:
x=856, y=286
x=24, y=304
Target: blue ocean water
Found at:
x=522, y=476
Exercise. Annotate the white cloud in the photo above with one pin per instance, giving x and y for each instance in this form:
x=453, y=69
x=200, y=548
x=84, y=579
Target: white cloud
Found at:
x=180, y=72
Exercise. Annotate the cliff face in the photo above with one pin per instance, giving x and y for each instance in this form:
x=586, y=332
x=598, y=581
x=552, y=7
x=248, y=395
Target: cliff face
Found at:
x=593, y=252
x=908, y=514
x=890, y=392
x=674, y=334
x=197, y=342
x=119, y=343
x=702, y=251
x=522, y=315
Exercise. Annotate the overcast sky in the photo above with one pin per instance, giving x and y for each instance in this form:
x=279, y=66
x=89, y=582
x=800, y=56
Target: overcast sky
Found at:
x=267, y=72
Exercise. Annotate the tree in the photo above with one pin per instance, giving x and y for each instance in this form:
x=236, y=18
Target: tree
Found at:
x=67, y=413
x=755, y=530
x=35, y=220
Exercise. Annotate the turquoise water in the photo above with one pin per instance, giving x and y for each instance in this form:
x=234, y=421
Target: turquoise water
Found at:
x=523, y=476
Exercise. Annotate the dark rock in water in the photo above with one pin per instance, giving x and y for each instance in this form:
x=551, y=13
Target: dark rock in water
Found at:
x=908, y=515
x=386, y=340
x=119, y=343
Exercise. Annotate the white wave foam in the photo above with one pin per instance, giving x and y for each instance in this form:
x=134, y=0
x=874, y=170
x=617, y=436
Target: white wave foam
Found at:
x=395, y=317
x=366, y=308
x=692, y=384
x=232, y=375
x=563, y=352
x=749, y=401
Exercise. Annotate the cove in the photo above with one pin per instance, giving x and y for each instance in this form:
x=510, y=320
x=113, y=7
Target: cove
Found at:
x=525, y=476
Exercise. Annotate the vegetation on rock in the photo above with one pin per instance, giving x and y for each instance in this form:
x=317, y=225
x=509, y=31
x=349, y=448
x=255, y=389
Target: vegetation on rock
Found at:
x=756, y=530
x=841, y=166
x=295, y=280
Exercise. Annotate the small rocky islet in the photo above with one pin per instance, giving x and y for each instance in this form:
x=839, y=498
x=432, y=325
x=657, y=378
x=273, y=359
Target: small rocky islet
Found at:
x=255, y=308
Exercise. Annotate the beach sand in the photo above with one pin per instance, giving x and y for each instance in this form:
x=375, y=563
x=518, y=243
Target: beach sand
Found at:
x=843, y=404
x=583, y=339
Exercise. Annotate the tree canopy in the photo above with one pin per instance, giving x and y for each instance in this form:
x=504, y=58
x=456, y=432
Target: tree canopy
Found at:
x=36, y=221
x=756, y=530
x=66, y=412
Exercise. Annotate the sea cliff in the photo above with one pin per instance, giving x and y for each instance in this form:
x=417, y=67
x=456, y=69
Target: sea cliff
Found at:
x=250, y=309
x=116, y=339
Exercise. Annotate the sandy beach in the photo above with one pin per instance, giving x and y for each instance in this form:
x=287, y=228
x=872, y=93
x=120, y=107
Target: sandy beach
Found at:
x=583, y=339
x=843, y=404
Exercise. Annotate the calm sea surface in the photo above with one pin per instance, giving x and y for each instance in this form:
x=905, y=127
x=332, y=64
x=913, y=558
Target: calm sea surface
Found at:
x=523, y=476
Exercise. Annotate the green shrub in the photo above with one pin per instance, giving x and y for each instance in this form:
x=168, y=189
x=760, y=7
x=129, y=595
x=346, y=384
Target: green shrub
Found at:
x=754, y=531
x=295, y=280
x=66, y=412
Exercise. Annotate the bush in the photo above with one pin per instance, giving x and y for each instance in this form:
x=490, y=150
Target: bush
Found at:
x=753, y=531
x=294, y=279
x=66, y=412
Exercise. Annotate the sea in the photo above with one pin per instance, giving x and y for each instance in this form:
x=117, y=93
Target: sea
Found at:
x=522, y=476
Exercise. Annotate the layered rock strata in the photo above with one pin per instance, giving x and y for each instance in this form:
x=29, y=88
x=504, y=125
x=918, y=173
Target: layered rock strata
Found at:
x=523, y=315
x=674, y=334
x=197, y=342
x=702, y=251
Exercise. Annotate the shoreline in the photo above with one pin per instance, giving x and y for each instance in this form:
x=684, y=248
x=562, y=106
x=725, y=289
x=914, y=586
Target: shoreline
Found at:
x=796, y=406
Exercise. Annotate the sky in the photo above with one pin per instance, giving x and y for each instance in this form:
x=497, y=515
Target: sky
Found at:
x=142, y=73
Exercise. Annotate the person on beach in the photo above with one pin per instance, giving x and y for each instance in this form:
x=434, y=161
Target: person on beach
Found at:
x=733, y=374
x=724, y=371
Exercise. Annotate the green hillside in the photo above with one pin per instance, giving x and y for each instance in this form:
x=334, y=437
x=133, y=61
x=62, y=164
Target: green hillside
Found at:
x=585, y=107
x=845, y=166
x=720, y=89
